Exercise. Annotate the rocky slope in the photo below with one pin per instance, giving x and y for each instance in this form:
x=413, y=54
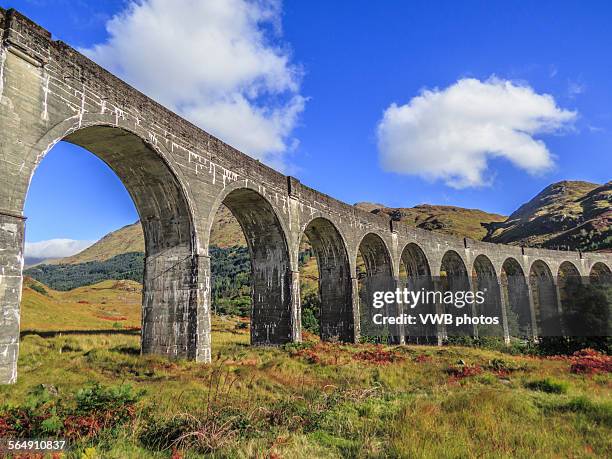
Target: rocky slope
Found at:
x=571, y=215
x=453, y=220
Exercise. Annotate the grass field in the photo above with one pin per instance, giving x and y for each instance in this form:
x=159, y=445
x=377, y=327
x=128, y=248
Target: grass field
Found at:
x=298, y=401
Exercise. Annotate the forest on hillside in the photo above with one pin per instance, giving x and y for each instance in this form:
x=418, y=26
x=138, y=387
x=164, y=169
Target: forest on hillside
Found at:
x=230, y=267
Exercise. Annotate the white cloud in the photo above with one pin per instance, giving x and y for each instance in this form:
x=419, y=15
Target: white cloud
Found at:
x=55, y=248
x=219, y=63
x=450, y=134
x=575, y=89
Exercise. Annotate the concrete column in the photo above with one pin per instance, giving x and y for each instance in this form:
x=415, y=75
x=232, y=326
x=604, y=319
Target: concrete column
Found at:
x=11, y=266
x=557, y=293
x=199, y=331
x=473, y=284
x=175, y=312
x=534, y=323
x=440, y=328
x=296, y=308
x=399, y=312
x=503, y=304
x=356, y=311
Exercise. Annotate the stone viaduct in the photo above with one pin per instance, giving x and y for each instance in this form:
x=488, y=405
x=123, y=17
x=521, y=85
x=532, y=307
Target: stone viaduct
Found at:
x=178, y=176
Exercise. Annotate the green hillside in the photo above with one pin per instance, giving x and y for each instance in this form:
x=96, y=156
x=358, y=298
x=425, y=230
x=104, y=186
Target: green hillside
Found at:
x=453, y=220
x=104, y=305
x=570, y=215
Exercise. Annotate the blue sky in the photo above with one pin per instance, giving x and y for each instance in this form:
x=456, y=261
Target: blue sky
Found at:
x=335, y=69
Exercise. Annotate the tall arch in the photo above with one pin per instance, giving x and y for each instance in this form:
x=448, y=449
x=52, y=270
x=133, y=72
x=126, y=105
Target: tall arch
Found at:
x=585, y=307
x=544, y=297
x=375, y=274
x=568, y=281
x=600, y=273
x=454, y=278
x=415, y=275
x=486, y=282
x=174, y=316
x=335, y=289
x=516, y=299
x=272, y=318
x=375, y=255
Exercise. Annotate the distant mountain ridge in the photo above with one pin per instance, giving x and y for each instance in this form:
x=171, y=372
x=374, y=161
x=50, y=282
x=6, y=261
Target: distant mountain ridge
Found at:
x=453, y=220
x=225, y=233
x=569, y=214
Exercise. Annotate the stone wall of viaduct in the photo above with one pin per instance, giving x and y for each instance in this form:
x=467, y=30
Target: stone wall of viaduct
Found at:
x=178, y=176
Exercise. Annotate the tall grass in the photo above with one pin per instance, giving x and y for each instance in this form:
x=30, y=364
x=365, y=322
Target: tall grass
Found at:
x=314, y=400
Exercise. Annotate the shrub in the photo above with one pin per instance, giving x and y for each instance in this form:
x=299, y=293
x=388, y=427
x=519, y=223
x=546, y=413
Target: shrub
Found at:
x=589, y=361
x=88, y=412
x=39, y=288
x=502, y=366
x=378, y=356
x=98, y=398
x=311, y=311
x=464, y=371
x=422, y=358
x=548, y=385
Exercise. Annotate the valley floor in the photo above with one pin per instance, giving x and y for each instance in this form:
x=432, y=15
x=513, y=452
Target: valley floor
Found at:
x=314, y=400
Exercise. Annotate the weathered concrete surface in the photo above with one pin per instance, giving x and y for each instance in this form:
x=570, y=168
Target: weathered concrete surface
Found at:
x=178, y=176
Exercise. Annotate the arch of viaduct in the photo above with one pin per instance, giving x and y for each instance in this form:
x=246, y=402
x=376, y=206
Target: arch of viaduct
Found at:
x=178, y=176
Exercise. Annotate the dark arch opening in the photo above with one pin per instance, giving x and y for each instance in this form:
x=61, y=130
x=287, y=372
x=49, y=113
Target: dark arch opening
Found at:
x=336, y=322
x=568, y=281
x=485, y=281
x=600, y=273
x=374, y=274
x=585, y=308
x=454, y=278
x=415, y=275
x=544, y=296
x=271, y=315
x=170, y=294
x=516, y=296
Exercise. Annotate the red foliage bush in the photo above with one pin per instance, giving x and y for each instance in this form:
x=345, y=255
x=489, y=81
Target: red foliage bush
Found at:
x=464, y=371
x=377, y=356
x=589, y=361
x=310, y=355
x=89, y=425
x=422, y=358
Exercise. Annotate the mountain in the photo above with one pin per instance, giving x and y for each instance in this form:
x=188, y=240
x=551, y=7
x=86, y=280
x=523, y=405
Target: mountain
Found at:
x=225, y=233
x=457, y=221
x=368, y=206
x=571, y=215
x=124, y=240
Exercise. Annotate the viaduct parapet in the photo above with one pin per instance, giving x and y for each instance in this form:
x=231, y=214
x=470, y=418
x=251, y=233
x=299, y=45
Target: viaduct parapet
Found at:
x=178, y=175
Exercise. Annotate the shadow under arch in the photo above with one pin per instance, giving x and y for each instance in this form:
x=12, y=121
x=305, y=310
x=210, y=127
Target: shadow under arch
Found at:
x=516, y=298
x=374, y=274
x=454, y=278
x=336, y=321
x=600, y=273
x=568, y=281
x=545, y=302
x=171, y=312
x=585, y=305
x=273, y=320
x=485, y=281
x=415, y=275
